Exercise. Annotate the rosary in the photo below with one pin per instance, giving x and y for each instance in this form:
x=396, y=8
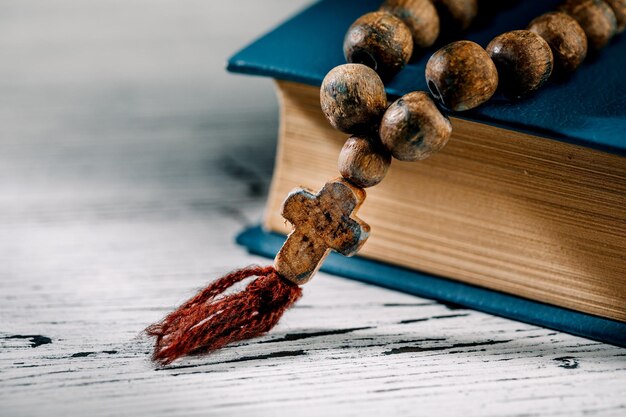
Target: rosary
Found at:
x=460, y=76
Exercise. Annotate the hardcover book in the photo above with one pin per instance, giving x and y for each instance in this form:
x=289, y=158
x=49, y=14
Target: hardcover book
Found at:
x=523, y=212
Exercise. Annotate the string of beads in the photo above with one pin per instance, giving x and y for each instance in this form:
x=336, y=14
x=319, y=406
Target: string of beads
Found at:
x=460, y=76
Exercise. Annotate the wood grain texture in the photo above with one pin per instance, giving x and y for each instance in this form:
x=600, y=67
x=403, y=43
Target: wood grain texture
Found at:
x=413, y=128
x=128, y=161
x=595, y=17
x=457, y=13
x=524, y=61
x=379, y=40
x=363, y=161
x=321, y=222
x=565, y=37
x=461, y=75
x=353, y=98
x=420, y=16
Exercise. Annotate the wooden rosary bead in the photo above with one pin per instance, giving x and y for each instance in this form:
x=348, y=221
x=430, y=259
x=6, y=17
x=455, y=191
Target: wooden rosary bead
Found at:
x=461, y=75
x=595, y=17
x=460, y=12
x=619, y=8
x=353, y=98
x=523, y=59
x=379, y=40
x=413, y=128
x=565, y=37
x=420, y=16
x=363, y=161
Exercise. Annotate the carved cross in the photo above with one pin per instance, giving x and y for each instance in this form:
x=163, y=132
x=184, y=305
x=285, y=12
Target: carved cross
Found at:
x=321, y=222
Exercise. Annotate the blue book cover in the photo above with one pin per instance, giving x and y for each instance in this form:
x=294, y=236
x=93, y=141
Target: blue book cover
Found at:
x=588, y=109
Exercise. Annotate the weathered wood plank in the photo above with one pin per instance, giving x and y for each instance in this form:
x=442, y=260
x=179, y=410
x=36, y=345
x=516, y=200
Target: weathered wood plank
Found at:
x=128, y=161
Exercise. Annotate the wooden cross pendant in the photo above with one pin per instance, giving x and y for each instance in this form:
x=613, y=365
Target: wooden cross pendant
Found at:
x=321, y=222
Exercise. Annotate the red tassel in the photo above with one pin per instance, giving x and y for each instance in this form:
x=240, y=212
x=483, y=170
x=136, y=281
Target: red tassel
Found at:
x=206, y=323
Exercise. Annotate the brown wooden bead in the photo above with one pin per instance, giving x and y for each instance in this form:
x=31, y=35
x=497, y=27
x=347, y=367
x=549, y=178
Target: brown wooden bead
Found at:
x=619, y=8
x=413, y=128
x=363, y=161
x=460, y=13
x=321, y=222
x=420, y=16
x=523, y=59
x=565, y=37
x=379, y=40
x=595, y=17
x=353, y=98
x=461, y=75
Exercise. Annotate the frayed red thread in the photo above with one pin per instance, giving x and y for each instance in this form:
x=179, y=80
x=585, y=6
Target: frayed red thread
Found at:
x=204, y=323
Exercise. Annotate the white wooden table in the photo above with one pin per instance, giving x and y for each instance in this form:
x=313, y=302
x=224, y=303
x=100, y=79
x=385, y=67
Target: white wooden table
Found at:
x=128, y=161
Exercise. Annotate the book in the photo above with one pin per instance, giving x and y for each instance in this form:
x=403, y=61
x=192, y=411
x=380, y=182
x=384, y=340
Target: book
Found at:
x=527, y=201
